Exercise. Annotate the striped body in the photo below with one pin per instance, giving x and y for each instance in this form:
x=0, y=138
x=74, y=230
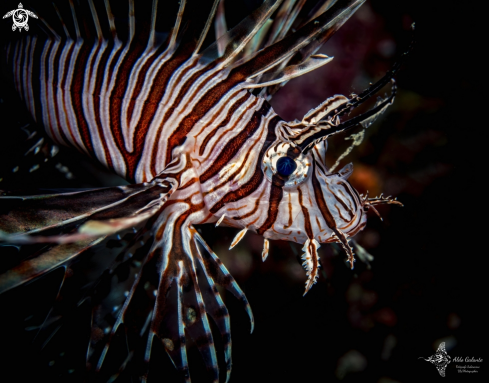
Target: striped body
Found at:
x=132, y=114
x=184, y=126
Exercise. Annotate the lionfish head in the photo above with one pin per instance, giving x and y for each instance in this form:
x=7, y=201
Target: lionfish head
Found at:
x=308, y=203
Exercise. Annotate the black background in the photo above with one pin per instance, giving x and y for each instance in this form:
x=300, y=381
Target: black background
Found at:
x=426, y=284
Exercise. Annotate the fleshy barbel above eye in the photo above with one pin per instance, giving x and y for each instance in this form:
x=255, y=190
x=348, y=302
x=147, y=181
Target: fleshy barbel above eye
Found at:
x=276, y=161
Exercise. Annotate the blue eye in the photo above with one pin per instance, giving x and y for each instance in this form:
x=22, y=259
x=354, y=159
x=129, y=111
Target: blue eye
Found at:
x=286, y=166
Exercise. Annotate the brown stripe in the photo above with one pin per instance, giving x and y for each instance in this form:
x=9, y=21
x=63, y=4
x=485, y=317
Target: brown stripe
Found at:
x=141, y=80
x=353, y=194
x=231, y=111
x=56, y=65
x=45, y=96
x=77, y=94
x=54, y=90
x=224, y=181
x=289, y=207
x=349, y=203
x=115, y=102
x=276, y=194
x=319, y=223
x=233, y=127
x=99, y=79
x=341, y=202
x=233, y=146
x=341, y=215
x=307, y=219
x=318, y=193
x=181, y=94
x=64, y=88
x=257, y=178
x=207, y=102
x=252, y=211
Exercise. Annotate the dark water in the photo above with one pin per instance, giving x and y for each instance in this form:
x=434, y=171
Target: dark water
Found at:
x=370, y=325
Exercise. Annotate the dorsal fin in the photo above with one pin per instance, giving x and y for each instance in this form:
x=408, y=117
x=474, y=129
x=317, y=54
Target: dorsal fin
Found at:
x=240, y=35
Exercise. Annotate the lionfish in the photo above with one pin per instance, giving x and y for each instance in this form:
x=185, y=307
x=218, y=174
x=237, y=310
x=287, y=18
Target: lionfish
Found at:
x=190, y=127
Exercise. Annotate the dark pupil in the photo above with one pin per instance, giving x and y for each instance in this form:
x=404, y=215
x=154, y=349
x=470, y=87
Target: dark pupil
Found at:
x=286, y=166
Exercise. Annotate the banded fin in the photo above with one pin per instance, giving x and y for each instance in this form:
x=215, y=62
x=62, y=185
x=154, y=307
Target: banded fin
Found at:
x=311, y=262
x=343, y=240
x=221, y=274
x=80, y=215
x=58, y=218
x=44, y=262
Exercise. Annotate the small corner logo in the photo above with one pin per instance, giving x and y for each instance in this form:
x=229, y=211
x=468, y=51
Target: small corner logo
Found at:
x=440, y=359
x=20, y=17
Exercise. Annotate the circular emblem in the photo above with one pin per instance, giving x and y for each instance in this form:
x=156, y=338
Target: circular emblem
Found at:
x=20, y=17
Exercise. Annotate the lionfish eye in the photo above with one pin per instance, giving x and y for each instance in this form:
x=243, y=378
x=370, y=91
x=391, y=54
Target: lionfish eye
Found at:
x=277, y=162
x=286, y=166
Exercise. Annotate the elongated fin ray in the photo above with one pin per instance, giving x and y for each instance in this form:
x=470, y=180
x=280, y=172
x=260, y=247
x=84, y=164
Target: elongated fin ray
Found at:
x=33, y=218
x=320, y=8
x=135, y=311
x=254, y=45
x=96, y=21
x=65, y=29
x=220, y=27
x=207, y=25
x=168, y=322
x=240, y=35
x=269, y=57
x=215, y=306
x=326, y=129
x=293, y=71
x=280, y=21
x=323, y=129
x=110, y=17
x=176, y=26
x=222, y=276
x=43, y=263
x=288, y=22
x=47, y=28
x=151, y=39
x=195, y=318
x=75, y=19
